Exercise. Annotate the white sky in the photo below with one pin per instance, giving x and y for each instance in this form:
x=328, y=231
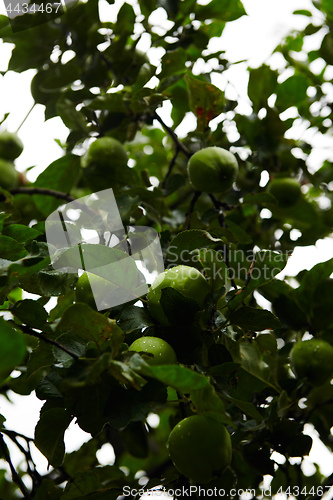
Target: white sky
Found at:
x=252, y=38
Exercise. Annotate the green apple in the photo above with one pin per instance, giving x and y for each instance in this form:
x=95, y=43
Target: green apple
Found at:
x=163, y=353
x=312, y=359
x=286, y=190
x=200, y=447
x=83, y=290
x=9, y=177
x=185, y=279
x=105, y=164
x=11, y=145
x=212, y=170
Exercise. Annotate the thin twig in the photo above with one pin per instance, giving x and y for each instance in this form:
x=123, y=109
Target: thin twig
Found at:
x=172, y=163
x=42, y=191
x=10, y=433
x=15, y=476
x=181, y=405
x=33, y=473
x=25, y=118
x=47, y=340
x=190, y=209
x=173, y=135
x=218, y=205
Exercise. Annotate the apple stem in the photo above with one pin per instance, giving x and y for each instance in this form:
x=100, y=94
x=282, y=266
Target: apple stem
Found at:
x=173, y=135
x=25, y=118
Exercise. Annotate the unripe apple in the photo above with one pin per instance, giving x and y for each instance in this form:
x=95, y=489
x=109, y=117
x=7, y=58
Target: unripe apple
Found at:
x=105, y=164
x=212, y=170
x=163, y=353
x=9, y=177
x=200, y=447
x=11, y=145
x=286, y=190
x=312, y=359
x=185, y=279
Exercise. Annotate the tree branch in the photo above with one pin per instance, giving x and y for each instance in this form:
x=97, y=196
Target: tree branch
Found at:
x=31, y=467
x=15, y=476
x=218, y=205
x=172, y=163
x=47, y=340
x=173, y=135
x=190, y=209
x=43, y=191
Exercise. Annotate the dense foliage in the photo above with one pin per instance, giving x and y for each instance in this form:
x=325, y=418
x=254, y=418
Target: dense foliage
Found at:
x=233, y=355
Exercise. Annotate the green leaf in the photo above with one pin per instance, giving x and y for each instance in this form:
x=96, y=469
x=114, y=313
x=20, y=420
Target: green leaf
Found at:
x=90, y=325
x=207, y=401
x=147, y=71
x=83, y=458
x=12, y=348
x=131, y=405
x=115, y=102
x=10, y=249
x=310, y=280
x=21, y=233
x=206, y=101
x=134, y=318
x=179, y=310
x=180, y=378
x=173, y=62
x=302, y=12
x=292, y=91
x=262, y=84
x=73, y=344
x=30, y=312
x=238, y=232
x=60, y=76
x=17, y=271
x=246, y=407
x=176, y=89
x=3, y=217
x=47, y=283
x=185, y=381
x=40, y=359
x=135, y=439
x=47, y=489
x=267, y=343
x=86, y=482
x=60, y=175
x=72, y=118
x=252, y=362
x=249, y=318
x=267, y=265
x=328, y=8
x=49, y=434
x=214, y=267
x=125, y=375
x=223, y=10
x=125, y=20
x=180, y=248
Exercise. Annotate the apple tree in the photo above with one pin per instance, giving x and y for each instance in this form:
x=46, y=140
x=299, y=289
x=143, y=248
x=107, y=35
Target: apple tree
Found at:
x=127, y=89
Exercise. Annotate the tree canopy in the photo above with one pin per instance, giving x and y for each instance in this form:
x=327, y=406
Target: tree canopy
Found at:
x=233, y=345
